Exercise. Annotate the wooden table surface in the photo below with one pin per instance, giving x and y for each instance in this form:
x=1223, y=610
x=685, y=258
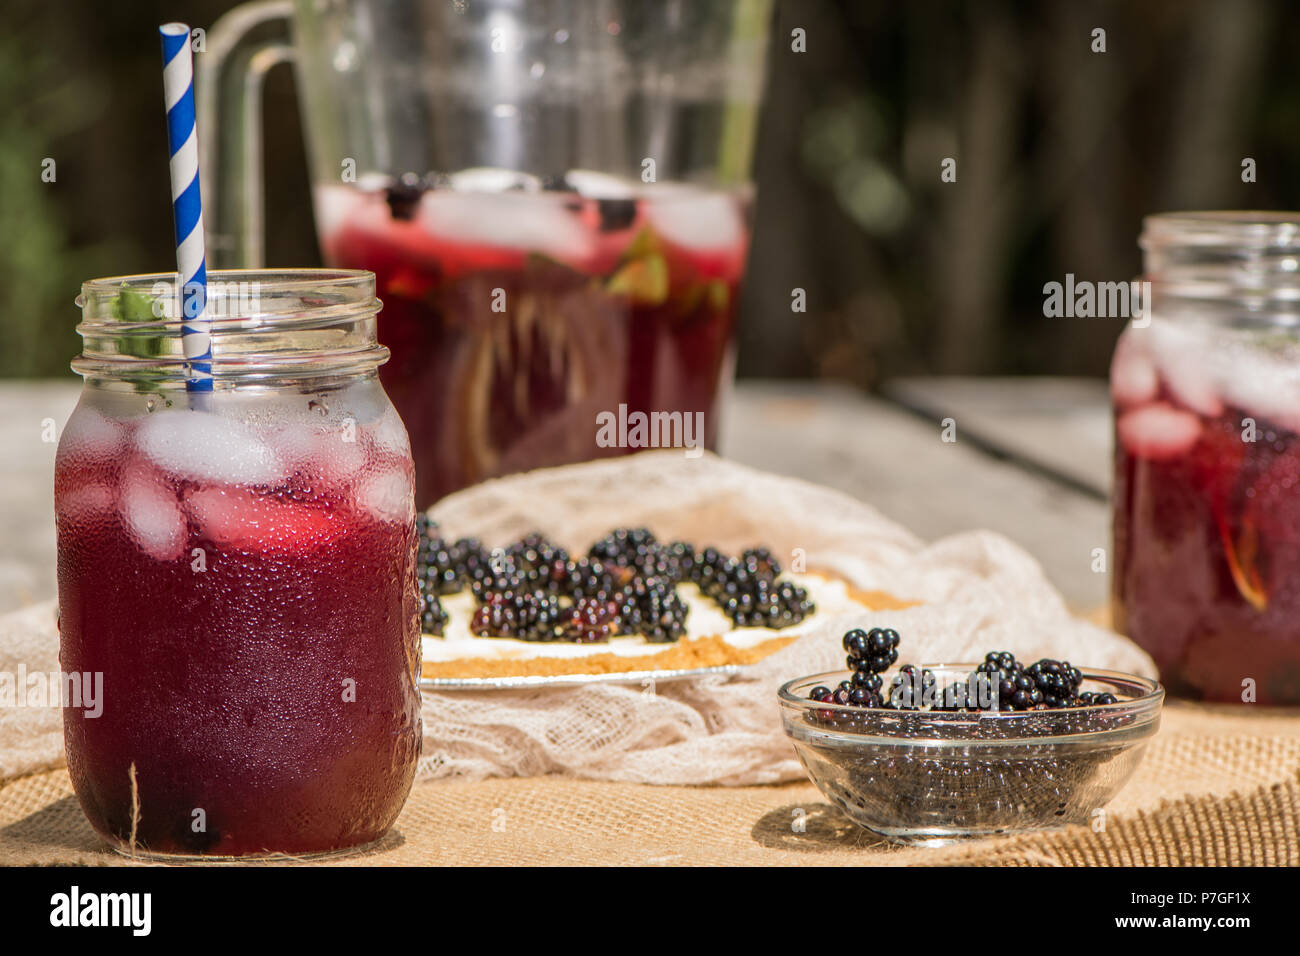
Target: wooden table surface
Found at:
x=1030, y=460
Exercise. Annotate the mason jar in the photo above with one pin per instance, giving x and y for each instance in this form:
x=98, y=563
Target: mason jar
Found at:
x=1206, y=391
x=237, y=571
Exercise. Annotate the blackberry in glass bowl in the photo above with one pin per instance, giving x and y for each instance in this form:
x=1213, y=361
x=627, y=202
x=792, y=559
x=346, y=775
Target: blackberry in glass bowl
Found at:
x=939, y=774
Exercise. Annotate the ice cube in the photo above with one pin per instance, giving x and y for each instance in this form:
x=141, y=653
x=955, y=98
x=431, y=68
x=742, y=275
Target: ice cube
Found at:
x=1264, y=388
x=334, y=206
x=91, y=436
x=330, y=455
x=389, y=496
x=152, y=513
x=374, y=181
x=207, y=447
x=594, y=185
x=695, y=219
x=493, y=179
x=1133, y=379
x=531, y=223
x=1183, y=360
x=1158, y=431
x=238, y=518
x=389, y=434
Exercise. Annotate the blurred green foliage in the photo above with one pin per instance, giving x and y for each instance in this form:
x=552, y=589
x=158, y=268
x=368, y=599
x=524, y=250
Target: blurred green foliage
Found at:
x=1061, y=152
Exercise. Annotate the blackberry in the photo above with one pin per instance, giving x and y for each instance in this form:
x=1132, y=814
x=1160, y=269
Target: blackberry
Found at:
x=706, y=568
x=526, y=616
x=955, y=697
x=586, y=578
x=1025, y=694
x=760, y=563
x=725, y=579
x=872, y=651
x=679, y=561
x=540, y=615
x=534, y=554
x=437, y=567
x=1002, y=669
x=855, y=644
x=503, y=579
x=541, y=564
x=863, y=665
x=496, y=617
x=1058, y=681
x=471, y=560
x=591, y=621
x=446, y=568
x=615, y=213
x=433, y=616
x=753, y=599
x=674, y=562
x=625, y=547
x=1090, y=699
x=912, y=687
x=1003, y=662
x=404, y=195
x=868, y=679
x=781, y=604
x=880, y=652
x=651, y=607
x=861, y=697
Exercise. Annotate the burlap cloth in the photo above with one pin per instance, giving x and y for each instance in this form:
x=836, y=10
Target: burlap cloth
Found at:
x=1218, y=785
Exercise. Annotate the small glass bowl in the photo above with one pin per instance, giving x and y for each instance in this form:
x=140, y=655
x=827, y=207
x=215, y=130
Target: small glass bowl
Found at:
x=934, y=777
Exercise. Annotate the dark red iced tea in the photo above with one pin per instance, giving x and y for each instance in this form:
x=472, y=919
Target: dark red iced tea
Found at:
x=1207, y=524
x=516, y=317
x=266, y=702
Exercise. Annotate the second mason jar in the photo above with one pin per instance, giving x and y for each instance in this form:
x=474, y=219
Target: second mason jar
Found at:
x=1206, y=390
x=237, y=571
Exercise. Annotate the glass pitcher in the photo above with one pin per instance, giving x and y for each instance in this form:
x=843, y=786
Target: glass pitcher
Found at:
x=554, y=197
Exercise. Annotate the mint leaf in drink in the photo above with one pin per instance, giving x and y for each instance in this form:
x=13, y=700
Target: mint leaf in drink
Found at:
x=643, y=245
x=643, y=280
x=133, y=306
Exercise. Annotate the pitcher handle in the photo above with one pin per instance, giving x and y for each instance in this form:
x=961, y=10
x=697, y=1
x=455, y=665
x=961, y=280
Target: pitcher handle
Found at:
x=228, y=86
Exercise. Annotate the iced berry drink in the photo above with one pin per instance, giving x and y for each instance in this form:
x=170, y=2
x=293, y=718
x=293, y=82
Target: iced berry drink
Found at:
x=518, y=310
x=243, y=578
x=1207, y=509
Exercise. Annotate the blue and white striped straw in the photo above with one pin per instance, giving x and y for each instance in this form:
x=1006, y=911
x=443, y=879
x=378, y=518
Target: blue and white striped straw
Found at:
x=187, y=207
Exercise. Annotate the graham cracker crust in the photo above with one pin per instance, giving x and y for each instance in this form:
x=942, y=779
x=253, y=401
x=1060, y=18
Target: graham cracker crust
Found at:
x=686, y=654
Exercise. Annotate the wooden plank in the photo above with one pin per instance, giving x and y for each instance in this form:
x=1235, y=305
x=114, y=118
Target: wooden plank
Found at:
x=1061, y=425
x=27, y=568
x=897, y=462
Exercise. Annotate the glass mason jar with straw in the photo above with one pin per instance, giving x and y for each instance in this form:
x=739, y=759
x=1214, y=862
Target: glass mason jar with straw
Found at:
x=236, y=559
